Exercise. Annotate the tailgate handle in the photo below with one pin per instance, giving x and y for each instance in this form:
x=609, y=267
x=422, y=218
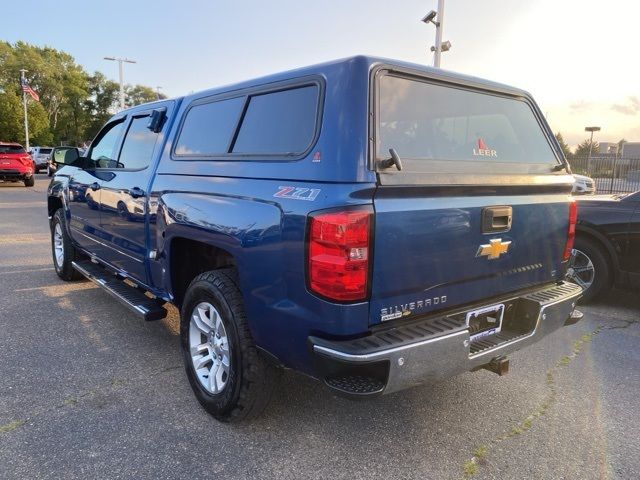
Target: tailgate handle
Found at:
x=496, y=219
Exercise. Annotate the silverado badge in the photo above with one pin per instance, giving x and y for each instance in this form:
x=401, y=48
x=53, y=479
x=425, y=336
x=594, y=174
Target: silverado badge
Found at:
x=493, y=249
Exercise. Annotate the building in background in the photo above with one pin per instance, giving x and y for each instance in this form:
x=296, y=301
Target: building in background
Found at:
x=630, y=150
x=607, y=148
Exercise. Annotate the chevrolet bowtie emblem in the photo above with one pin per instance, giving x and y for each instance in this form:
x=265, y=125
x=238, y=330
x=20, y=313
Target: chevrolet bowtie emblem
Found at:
x=493, y=249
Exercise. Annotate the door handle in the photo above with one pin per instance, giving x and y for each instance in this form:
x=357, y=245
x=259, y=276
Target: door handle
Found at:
x=497, y=219
x=136, y=192
x=94, y=186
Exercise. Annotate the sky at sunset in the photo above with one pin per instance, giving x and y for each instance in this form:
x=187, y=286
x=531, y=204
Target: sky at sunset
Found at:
x=577, y=57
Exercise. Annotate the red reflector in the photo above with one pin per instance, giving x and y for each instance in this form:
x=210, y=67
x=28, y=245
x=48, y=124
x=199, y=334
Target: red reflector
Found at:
x=339, y=254
x=571, y=234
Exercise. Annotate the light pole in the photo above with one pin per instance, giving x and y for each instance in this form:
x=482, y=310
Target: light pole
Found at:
x=121, y=72
x=158, y=92
x=590, y=129
x=440, y=46
x=24, y=104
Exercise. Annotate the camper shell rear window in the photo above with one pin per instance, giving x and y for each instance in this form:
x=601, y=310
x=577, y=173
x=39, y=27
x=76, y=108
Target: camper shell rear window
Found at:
x=441, y=127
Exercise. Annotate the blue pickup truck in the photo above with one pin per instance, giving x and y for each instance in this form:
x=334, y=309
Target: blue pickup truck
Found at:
x=372, y=223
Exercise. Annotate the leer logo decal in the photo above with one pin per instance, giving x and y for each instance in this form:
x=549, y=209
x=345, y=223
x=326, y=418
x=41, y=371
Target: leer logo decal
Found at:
x=483, y=150
x=296, y=193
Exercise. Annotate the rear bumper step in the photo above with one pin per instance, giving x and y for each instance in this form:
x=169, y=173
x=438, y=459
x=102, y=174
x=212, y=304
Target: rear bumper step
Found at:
x=439, y=347
x=135, y=300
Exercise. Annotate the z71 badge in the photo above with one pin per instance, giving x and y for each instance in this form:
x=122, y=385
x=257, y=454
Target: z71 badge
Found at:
x=296, y=193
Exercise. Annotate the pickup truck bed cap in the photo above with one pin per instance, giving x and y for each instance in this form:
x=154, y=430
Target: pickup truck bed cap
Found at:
x=363, y=61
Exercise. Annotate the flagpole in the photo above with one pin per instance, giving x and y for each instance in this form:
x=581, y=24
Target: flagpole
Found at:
x=24, y=103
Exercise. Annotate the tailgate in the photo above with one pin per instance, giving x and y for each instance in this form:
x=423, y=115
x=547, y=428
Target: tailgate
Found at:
x=10, y=162
x=431, y=252
x=475, y=201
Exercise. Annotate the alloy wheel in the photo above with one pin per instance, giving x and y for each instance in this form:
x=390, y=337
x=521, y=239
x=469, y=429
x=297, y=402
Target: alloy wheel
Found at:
x=581, y=270
x=58, y=245
x=209, y=348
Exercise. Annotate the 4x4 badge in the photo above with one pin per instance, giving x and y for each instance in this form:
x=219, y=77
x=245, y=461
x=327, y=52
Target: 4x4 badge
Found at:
x=493, y=249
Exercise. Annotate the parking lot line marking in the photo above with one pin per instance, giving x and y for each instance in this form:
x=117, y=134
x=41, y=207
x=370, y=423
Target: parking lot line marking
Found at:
x=59, y=290
x=28, y=270
x=24, y=238
x=22, y=204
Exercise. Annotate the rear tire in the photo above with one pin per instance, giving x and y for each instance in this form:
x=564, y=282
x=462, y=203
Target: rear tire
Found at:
x=30, y=182
x=589, y=254
x=62, y=249
x=228, y=376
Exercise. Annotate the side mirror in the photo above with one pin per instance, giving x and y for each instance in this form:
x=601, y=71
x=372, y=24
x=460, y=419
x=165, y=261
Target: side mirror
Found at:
x=65, y=156
x=156, y=119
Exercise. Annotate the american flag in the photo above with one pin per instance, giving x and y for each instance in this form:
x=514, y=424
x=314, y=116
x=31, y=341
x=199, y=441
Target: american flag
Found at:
x=27, y=89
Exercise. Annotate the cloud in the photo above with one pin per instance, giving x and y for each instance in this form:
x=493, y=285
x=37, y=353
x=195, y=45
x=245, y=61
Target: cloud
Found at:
x=632, y=107
x=580, y=106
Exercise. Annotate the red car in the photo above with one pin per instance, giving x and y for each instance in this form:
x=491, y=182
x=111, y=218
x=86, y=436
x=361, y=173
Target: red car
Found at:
x=16, y=164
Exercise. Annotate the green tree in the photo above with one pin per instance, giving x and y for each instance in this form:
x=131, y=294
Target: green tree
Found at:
x=139, y=94
x=75, y=103
x=11, y=129
x=103, y=96
x=72, y=116
x=582, y=150
x=39, y=132
x=563, y=145
x=12, y=120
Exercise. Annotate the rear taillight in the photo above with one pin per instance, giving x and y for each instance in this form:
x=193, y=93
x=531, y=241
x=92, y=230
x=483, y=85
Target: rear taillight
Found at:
x=338, y=252
x=26, y=160
x=571, y=234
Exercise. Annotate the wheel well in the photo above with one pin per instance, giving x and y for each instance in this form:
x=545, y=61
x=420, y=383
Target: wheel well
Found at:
x=190, y=258
x=53, y=204
x=602, y=247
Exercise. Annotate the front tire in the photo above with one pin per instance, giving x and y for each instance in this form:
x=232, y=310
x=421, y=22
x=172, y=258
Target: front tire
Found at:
x=62, y=249
x=228, y=376
x=589, y=268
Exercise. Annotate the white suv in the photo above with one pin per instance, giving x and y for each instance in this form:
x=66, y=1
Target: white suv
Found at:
x=583, y=185
x=40, y=156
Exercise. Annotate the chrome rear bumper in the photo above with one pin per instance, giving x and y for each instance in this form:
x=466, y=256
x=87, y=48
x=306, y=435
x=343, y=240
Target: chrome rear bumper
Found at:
x=439, y=347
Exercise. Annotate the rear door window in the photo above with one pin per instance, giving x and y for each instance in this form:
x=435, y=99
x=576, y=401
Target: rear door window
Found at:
x=428, y=121
x=279, y=122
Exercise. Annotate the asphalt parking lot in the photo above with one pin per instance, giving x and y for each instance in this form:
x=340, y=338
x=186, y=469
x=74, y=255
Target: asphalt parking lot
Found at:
x=88, y=391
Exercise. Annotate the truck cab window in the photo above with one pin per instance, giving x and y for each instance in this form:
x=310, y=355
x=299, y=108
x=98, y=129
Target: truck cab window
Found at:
x=103, y=151
x=279, y=122
x=138, y=145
